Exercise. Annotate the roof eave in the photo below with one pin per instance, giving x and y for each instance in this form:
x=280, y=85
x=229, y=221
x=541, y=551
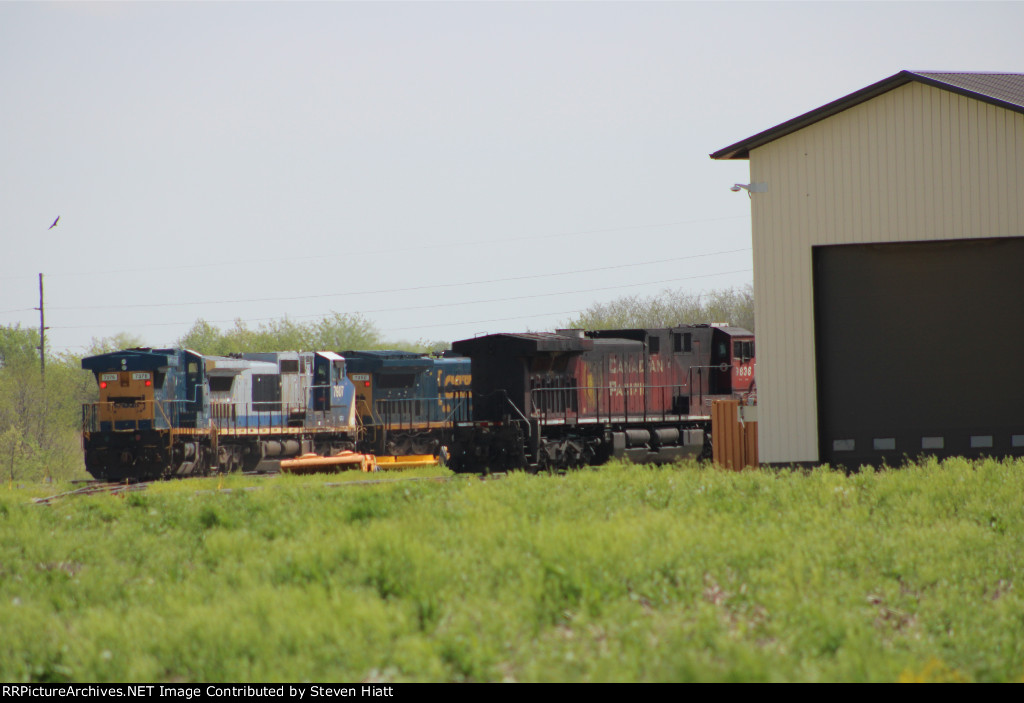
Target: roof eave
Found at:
x=741, y=149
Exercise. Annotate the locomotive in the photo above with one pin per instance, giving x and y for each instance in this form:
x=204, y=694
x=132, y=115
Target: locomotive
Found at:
x=406, y=400
x=571, y=398
x=175, y=412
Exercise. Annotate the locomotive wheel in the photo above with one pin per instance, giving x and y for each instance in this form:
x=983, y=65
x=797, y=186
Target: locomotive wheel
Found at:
x=422, y=445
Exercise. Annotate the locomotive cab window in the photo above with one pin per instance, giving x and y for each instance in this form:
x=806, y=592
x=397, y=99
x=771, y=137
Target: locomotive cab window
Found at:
x=289, y=365
x=682, y=342
x=654, y=345
x=743, y=351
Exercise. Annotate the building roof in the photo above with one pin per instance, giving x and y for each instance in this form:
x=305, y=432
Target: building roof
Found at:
x=1002, y=89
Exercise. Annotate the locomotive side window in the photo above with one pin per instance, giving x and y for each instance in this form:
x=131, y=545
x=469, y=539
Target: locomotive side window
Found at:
x=220, y=384
x=653, y=345
x=396, y=380
x=289, y=365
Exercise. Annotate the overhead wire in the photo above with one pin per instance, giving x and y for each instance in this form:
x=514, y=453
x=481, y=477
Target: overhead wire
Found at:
x=389, y=250
x=394, y=290
x=430, y=306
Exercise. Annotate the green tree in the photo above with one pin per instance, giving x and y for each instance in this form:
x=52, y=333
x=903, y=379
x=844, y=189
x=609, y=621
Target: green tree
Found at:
x=670, y=308
x=203, y=338
x=349, y=331
x=335, y=332
x=18, y=346
x=121, y=340
x=40, y=424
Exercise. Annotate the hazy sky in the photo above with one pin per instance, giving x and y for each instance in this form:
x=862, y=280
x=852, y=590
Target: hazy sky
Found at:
x=446, y=169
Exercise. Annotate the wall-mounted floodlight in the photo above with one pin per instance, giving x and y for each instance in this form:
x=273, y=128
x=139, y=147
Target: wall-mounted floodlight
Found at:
x=750, y=187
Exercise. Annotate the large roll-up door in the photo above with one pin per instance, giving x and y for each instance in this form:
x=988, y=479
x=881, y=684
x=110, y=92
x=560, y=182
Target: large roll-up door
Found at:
x=920, y=349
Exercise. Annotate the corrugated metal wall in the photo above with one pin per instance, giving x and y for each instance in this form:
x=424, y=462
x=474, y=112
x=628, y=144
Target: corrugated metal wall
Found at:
x=916, y=163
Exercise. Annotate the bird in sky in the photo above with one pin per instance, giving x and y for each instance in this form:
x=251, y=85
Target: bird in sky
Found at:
x=54, y=223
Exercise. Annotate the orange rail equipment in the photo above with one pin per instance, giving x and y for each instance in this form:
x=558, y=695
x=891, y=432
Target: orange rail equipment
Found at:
x=316, y=464
x=734, y=434
x=386, y=463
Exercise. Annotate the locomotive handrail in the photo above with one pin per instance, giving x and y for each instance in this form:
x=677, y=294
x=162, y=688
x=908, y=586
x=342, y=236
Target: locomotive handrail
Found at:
x=601, y=396
x=460, y=402
x=398, y=410
x=516, y=408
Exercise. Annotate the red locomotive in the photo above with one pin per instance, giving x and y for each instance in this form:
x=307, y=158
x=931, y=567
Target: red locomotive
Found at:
x=571, y=398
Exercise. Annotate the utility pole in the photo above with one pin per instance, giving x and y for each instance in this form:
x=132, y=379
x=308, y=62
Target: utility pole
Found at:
x=42, y=334
x=43, y=442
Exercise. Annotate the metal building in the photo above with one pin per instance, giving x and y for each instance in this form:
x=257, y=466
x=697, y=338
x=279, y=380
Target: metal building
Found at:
x=888, y=239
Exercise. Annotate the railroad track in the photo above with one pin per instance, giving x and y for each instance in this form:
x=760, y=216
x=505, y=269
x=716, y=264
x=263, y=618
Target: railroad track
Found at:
x=94, y=487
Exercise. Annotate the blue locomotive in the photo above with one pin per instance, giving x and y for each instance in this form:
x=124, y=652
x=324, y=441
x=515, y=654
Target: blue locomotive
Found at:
x=175, y=412
x=405, y=400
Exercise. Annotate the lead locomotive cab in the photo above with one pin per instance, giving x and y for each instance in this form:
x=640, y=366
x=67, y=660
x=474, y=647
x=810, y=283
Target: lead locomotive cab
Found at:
x=143, y=394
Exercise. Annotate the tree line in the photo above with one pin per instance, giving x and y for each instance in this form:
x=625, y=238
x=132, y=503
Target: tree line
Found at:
x=40, y=422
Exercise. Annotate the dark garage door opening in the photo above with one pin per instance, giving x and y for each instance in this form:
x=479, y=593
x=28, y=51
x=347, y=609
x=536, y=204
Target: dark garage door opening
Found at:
x=919, y=349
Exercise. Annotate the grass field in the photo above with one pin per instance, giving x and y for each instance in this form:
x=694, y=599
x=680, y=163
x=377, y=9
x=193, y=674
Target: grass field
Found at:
x=622, y=574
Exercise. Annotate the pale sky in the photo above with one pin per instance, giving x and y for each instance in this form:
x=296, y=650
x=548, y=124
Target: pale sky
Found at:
x=446, y=169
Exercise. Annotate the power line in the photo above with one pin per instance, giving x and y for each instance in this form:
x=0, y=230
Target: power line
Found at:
x=390, y=250
x=427, y=307
x=396, y=290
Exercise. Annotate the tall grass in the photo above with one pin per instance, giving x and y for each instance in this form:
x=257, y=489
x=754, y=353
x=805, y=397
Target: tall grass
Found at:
x=622, y=574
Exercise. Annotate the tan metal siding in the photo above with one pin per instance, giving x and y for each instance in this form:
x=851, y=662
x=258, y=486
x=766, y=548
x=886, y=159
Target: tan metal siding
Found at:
x=916, y=163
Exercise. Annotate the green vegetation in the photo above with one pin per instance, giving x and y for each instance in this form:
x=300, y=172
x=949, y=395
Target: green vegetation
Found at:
x=39, y=424
x=336, y=332
x=628, y=573
x=670, y=308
